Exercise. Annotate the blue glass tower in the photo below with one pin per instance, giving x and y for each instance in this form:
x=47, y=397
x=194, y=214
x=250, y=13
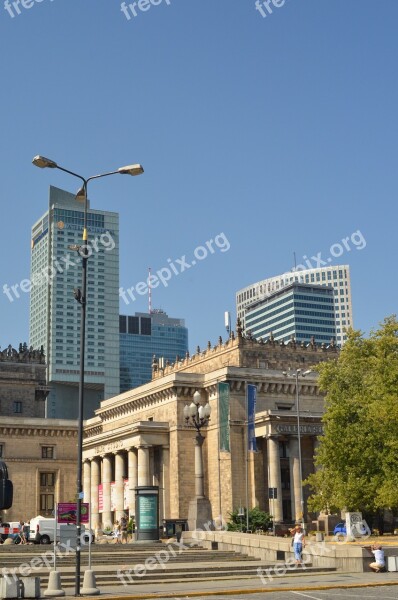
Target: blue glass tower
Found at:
x=141, y=337
x=298, y=310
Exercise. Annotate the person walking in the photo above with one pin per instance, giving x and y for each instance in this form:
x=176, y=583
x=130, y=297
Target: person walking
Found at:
x=117, y=534
x=123, y=528
x=298, y=542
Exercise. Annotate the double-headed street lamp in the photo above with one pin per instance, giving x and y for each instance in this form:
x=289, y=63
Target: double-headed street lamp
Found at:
x=296, y=375
x=81, y=296
x=198, y=416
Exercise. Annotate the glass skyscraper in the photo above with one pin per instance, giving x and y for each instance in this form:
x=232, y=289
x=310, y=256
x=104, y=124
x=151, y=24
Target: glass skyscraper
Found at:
x=55, y=315
x=297, y=311
x=141, y=337
x=337, y=276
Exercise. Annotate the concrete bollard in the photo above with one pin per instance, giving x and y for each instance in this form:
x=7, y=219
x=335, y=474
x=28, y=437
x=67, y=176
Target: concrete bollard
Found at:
x=89, y=584
x=54, y=585
x=8, y=587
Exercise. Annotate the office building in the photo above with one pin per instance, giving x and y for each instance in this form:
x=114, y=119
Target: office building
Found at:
x=144, y=336
x=55, y=315
x=337, y=276
x=297, y=311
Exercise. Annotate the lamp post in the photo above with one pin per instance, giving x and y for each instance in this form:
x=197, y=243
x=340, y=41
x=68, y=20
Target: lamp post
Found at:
x=198, y=415
x=81, y=295
x=296, y=377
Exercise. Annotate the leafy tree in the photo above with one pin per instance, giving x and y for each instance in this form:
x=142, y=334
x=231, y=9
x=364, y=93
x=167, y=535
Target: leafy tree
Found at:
x=258, y=519
x=357, y=458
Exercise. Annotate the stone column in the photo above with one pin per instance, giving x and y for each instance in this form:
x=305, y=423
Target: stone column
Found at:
x=119, y=485
x=275, y=477
x=143, y=466
x=107, y=520
x=87, y=481
x=95, y=481
x=165, y=481
x=133, y=479
x=295, y=482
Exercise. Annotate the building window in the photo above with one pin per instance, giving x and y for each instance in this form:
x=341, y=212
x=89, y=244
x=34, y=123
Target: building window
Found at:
x=46, y=504
x=17, y=407
x=1, y=450
x=47, y=451
x=47, y=480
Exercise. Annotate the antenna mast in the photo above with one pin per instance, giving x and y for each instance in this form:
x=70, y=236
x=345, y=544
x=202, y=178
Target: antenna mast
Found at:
x=149, y=292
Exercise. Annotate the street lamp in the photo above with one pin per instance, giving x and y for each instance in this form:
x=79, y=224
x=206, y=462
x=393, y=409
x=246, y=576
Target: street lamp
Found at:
x=296, y=377
x=80, y=295
x=198, y=415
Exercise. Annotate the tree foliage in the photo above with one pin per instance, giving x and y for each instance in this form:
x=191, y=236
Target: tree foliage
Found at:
x=357, y=459
x=258, y=519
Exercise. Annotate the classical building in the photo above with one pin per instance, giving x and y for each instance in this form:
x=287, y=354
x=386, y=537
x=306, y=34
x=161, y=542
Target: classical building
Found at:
x=40, y=454
x=337, y=276
x=141, y=437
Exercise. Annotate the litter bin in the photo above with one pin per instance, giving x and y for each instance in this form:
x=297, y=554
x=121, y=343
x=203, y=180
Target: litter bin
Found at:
x=319, y=536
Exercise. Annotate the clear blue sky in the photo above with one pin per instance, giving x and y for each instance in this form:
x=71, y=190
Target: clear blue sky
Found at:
x=281, y=132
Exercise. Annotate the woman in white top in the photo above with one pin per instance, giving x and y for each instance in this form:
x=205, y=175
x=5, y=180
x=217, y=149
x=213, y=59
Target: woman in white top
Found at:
x=298, y=542
x=379, y=563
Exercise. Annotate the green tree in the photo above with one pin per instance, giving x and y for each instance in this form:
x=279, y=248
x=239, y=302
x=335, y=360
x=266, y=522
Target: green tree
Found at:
x=357, y=458
x=258, y=519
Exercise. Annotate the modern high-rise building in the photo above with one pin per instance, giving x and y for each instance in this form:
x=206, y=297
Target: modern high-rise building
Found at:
x=297, y=311
x=337, y=276
x=55, y=315
x=143, y=336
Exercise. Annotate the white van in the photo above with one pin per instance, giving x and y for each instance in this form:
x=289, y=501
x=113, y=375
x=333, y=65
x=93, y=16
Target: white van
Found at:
x=42, y=531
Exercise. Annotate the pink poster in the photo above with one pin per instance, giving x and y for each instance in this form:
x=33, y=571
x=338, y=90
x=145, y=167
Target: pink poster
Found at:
x=125, y=494
x=100, y=498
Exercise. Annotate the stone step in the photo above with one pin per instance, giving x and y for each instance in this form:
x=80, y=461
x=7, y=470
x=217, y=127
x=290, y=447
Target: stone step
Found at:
x=106, y=579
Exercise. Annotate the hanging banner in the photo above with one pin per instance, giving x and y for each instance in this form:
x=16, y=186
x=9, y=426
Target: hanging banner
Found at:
x=113, y=495
x=251, y=414
x=100, y=498
x=125, y=494
x=223, y=412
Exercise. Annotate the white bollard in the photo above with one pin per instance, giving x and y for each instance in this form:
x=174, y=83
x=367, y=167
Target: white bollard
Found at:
x=89, y=584
x=54, y=585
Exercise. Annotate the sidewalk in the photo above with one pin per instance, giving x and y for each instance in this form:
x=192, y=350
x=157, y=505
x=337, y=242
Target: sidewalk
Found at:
x=296, y=582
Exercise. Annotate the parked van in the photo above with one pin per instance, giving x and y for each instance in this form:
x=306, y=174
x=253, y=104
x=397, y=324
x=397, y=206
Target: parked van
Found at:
x=42, y=531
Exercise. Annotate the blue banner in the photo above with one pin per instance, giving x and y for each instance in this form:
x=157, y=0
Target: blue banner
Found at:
x=251, y=414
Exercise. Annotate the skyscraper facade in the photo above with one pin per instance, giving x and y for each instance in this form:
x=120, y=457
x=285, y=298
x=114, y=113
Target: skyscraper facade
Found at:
x=141, y=337
x=297, y=311
x=337, y=276
x=55, y=315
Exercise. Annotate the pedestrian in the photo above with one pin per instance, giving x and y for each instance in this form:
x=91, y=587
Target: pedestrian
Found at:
x=379, y=563
x=123, y=528
x=21, y=533
x=117, y=533
x=298, y=542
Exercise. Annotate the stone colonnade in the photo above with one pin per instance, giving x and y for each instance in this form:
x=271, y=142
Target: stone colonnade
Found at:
x=109, y=482
x=273, y=464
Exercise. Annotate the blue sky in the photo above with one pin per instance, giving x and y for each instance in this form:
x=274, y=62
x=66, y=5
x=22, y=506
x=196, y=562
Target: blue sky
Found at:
x=279, y=132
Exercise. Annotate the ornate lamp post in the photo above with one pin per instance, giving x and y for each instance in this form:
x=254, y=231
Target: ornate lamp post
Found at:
x=296, y=375
x=198, y=415
x=80, y=295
